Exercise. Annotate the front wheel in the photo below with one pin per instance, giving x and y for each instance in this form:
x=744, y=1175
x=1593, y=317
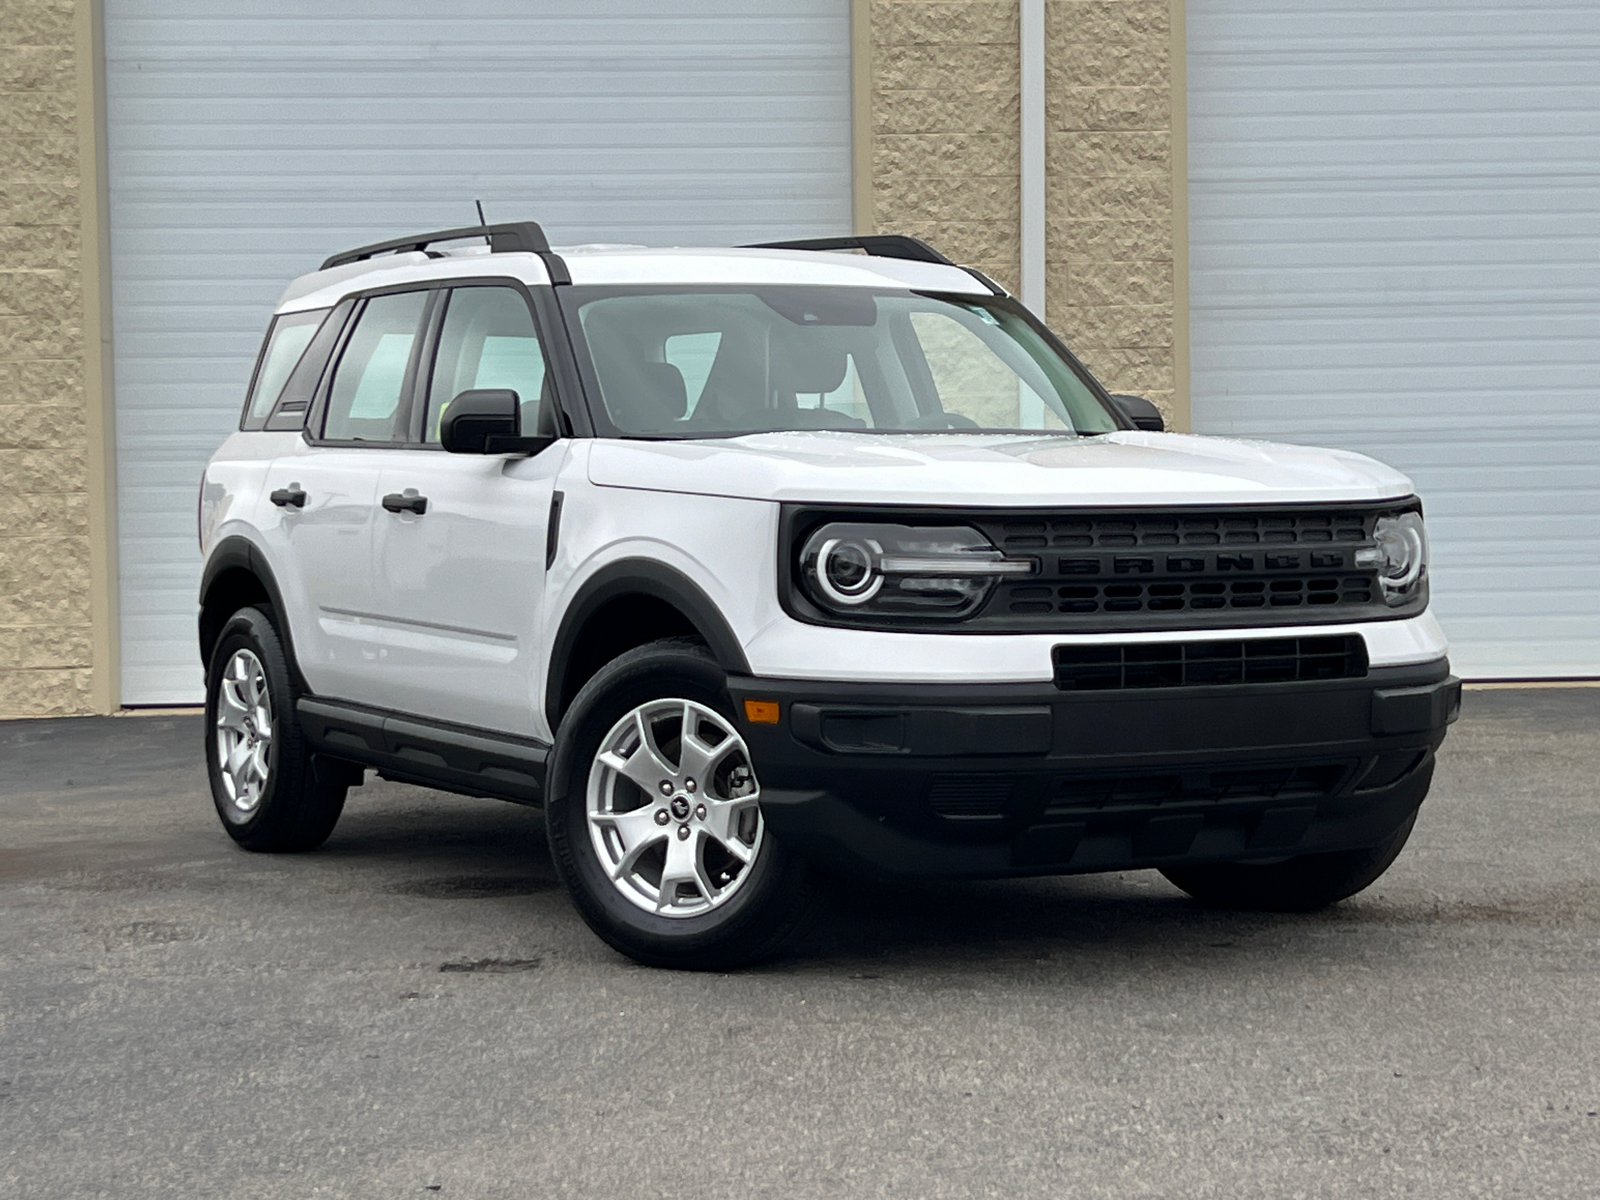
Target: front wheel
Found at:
x=654, y=817
x=1300, y=884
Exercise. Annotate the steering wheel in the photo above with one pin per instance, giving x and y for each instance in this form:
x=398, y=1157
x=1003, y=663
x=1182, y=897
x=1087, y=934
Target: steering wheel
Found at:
x=943, y=420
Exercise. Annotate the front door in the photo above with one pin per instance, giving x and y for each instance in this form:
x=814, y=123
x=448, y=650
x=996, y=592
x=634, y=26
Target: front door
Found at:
x=459, y=552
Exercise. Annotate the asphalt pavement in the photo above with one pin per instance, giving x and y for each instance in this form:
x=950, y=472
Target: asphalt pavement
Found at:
x=415, y=1009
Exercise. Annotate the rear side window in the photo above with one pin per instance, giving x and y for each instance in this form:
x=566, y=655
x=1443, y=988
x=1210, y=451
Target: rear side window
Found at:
x=285, y=345
x=369, y=383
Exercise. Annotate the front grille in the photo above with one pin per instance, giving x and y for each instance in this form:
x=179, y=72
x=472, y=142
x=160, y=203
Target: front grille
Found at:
x=1113, y=792
x=1097, y=668
x=1149, y=570
x=1124, y=531
x=1193, y=597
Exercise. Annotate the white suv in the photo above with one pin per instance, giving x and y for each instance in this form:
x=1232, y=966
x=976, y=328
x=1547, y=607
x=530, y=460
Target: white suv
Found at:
x=742, y=562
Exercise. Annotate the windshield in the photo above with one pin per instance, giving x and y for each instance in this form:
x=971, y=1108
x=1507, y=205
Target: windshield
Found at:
x=708, y=362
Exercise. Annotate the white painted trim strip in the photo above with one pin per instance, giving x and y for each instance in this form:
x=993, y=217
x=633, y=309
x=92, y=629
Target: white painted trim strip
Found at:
x=1031, y=39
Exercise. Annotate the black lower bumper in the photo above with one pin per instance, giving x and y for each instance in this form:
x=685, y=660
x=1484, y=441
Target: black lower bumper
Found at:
x=1024, y=779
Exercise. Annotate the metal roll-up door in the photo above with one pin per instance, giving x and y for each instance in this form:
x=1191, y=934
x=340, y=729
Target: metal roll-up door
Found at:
x=247, y=144
x=1395, y=248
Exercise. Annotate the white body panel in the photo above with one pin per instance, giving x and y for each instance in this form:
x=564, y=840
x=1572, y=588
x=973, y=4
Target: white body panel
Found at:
x=1395, y=246
x=458, y=608
x=246, y=141
x=1134, y=468
x=322, y=557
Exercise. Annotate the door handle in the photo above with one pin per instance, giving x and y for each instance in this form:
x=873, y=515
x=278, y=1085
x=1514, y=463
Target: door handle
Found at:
x=293, y=496
x=406, y=501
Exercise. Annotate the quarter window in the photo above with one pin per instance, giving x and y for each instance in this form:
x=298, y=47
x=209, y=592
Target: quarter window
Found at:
x=364, y=401
x=286, y=342
x=487, y=340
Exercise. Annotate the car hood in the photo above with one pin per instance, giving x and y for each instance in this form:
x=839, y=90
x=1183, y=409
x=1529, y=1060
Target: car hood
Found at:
x=1131, y=467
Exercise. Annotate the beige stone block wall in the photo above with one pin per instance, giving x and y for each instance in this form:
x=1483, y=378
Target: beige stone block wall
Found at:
x=946, y=163
x=1109, y=213
x=945, y=128
x=45, y=574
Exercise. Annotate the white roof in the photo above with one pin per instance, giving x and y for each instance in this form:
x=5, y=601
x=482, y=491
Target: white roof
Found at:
x=623, y=265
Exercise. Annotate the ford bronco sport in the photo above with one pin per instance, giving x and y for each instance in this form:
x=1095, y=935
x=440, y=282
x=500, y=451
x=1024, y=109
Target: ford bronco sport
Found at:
x=748, y=562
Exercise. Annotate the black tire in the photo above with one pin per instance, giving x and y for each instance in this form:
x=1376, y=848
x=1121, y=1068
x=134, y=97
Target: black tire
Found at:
x=300, y=800
x=1301, y=884
x=776, y=887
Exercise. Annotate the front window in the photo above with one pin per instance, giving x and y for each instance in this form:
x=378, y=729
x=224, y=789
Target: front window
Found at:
x=693, y=362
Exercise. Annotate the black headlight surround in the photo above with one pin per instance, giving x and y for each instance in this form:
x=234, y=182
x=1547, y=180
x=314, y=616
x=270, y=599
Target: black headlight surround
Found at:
x=798, y=523
x=999, y=614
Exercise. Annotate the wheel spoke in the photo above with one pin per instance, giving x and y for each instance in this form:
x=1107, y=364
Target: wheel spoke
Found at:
x=237, y=758
x=647, y=745
x=633, y=827
x=638, y=768
x=682, y=866
x=630, y=858
x=722, y=823
x=231, y=712
x=700, y=759
x=638, y=832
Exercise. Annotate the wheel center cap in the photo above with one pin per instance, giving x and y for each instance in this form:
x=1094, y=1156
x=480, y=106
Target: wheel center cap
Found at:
x=680, y=807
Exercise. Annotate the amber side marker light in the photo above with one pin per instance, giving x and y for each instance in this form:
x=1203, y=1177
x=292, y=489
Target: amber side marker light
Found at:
x=761, y=712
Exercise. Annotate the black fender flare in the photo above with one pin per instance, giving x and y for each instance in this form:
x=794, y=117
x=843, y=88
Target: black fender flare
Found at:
x=639, y=576
x=240, y=553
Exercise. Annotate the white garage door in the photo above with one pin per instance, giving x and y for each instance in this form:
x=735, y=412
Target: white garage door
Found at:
x=1395, y=240
x=245, y=148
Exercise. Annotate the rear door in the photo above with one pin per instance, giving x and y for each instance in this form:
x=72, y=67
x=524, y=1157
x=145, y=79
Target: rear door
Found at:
x=327, y=494
x=459, y=564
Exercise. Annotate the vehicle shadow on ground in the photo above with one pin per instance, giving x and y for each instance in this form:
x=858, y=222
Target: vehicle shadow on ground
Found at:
x=993, y=924
x=412, y=842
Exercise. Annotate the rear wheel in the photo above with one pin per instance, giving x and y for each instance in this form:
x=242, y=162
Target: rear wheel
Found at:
x=655, y=822
x=271, y=792
x=1300, y=884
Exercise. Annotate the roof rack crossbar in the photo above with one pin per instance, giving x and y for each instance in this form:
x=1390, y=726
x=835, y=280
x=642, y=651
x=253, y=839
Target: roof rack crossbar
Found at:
x=525, y=236
x=880, y=245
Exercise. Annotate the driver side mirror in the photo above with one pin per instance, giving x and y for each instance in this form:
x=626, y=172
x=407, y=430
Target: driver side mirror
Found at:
x=487, y=421
x=1140, y=411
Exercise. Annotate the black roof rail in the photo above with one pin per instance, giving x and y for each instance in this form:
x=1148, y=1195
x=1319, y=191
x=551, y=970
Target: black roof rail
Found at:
x=879, y=245
x=524, y=236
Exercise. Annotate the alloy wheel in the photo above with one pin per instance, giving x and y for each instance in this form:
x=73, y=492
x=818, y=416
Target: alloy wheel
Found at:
x=673, y=811
x=244, y=734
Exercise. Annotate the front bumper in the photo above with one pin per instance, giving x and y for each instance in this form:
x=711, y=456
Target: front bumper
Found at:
x=1024, y=779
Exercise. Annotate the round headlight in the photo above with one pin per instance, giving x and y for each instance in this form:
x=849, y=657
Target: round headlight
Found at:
x=847, y=569
x=882, y=570
x=1400, y=555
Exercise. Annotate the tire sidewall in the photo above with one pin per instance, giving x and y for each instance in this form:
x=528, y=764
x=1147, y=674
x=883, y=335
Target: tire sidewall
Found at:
x=661, y=670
